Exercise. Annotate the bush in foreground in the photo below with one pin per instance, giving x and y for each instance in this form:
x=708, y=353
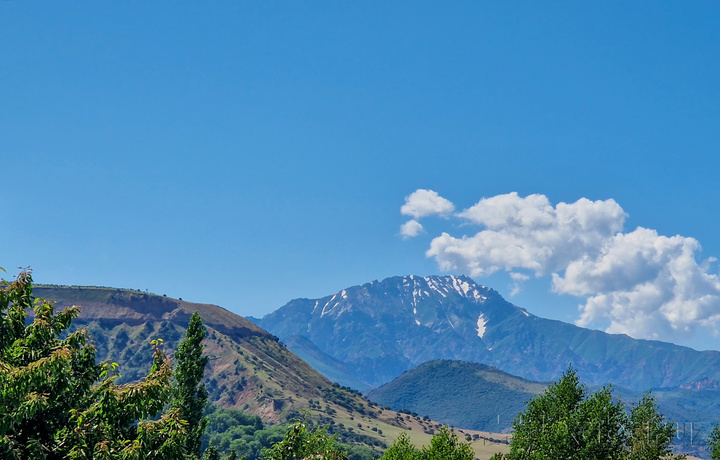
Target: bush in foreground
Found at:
x=58, y=403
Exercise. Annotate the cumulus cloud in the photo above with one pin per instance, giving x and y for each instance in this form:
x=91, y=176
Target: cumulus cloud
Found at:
x=411, y=229
x=423, y=203
x=638, y=283
x=645, y=285
x=527, y=233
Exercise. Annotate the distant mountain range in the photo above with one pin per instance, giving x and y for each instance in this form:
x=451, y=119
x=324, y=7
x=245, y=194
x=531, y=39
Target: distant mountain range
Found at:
x=365, y=336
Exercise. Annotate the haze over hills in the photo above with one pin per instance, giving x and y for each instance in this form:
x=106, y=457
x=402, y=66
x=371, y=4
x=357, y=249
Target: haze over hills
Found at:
x=379, y=330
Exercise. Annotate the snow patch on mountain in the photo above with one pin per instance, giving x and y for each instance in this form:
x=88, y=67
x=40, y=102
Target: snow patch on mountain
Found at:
x=325, y=309
x=481, y=322
x=435, y=286
x=417, y=293
x=461, y=286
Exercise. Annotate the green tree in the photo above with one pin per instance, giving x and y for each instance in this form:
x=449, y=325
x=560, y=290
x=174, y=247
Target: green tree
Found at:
x=302, y=442
x=190, y=396
x=543, y=430
x=122, y=420
x=42, y=377
x=650, y=436
x=211, y=453
x=597, y=427
x=566, y=423
x=714, y=442
x=402, y=449
x=57, y=403
x=446, y=445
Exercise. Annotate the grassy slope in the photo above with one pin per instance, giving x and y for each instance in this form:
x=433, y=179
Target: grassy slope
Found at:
x=248, y=368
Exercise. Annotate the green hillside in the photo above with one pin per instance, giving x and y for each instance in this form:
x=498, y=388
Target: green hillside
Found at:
x=459, y=393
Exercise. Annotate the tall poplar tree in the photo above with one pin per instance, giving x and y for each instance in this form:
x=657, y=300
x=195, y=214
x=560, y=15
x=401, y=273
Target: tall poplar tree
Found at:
x=190, y=395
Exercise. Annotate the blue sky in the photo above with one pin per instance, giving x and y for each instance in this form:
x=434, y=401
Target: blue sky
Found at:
x=245, y=154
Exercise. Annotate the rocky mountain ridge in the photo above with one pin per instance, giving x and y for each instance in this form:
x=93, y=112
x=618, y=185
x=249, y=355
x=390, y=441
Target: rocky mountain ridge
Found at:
x=380, y=329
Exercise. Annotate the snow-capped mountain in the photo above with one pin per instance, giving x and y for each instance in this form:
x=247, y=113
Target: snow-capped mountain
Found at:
x=367, y=335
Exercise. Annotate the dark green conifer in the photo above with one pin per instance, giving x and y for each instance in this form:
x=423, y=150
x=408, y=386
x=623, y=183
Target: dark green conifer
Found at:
x=190, y=396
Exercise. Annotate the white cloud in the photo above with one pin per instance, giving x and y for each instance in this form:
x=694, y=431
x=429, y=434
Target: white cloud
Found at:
x=527, y=233
x=518, y=279
x=411, y=229
x=639, y=283
x=423, y=203
x=645, y=285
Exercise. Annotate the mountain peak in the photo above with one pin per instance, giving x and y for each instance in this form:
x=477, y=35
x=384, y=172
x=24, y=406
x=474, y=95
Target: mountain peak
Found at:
x=443, y=309
x=381, y=329
x=445, y=285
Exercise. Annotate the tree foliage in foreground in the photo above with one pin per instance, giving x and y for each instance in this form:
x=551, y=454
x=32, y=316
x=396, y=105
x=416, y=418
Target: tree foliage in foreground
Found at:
x=302, y=442
x=401, y=449
x=58, y=403
x=235, y=432
x=567, y=423
x=189, y=395
x=714, y=442
x=443, y=445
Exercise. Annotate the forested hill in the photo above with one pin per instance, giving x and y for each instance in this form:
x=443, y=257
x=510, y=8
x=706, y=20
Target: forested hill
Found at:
x=482, y=397
x=460, y=393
